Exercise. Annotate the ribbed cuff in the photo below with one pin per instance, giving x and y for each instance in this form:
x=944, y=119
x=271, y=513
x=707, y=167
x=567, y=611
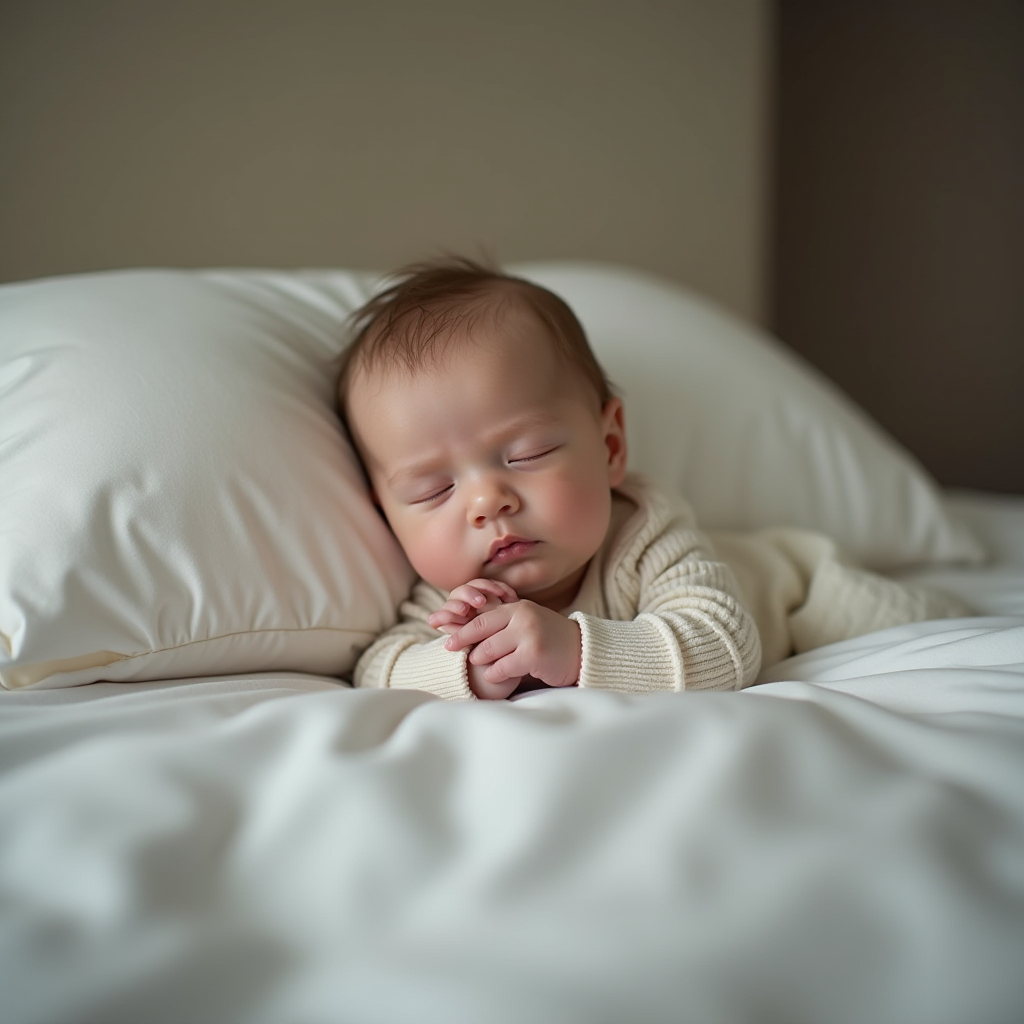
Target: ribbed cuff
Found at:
x=643, y=655
x=628, y=657
x=432, y=667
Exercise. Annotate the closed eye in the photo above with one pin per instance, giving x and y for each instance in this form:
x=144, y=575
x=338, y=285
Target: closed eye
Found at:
x=430, y=498
x=533, y=458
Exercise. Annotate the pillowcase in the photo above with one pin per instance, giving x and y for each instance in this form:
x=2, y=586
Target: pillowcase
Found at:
x=748, y=432
x=178, y=498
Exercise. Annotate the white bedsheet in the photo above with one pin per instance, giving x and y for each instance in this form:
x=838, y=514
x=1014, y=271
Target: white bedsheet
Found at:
x=996, y=588
x=842, y=843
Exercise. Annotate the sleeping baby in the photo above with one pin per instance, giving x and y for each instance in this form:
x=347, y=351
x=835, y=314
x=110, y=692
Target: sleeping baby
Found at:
x=496, y=449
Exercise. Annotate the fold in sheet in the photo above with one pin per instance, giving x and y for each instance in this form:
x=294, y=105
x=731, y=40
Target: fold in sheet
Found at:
x=283, y=848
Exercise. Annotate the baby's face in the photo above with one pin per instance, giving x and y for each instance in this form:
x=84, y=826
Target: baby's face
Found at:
x=496, y=462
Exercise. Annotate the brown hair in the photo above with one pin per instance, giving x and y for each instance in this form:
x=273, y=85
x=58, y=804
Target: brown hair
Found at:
x=414, y=319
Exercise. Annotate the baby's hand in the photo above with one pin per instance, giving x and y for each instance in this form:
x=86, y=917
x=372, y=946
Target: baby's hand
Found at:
x=466, y=602
x=519, y=639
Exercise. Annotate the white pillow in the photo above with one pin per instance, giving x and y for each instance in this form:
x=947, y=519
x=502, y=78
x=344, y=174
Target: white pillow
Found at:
x=176, y=496
x=747, y=431
x=177, y=499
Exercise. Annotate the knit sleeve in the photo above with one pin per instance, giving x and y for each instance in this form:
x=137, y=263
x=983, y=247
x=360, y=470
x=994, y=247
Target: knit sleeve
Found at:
x=411, y=655
x=686, y=630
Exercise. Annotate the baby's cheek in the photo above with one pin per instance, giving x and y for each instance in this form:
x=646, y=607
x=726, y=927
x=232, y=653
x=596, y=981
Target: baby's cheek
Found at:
x=436, y=558
x=436, y=573
x=586, y=510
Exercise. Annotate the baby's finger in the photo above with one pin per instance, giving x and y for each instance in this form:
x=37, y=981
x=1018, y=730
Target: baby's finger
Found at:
x=509, y=667
x=480, y=628
x=469, y=595
x=492, y=649
x=500, y=590
x=452, y=611
x=446, y=621
x=447, y=627
x=479, y=591
x=494, y=689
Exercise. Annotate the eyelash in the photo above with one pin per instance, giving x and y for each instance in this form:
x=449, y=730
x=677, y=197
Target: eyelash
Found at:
x=532, y=458
x=431, y=498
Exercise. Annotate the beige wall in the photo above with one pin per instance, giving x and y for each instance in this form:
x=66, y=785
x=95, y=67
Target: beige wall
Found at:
x=370, y=133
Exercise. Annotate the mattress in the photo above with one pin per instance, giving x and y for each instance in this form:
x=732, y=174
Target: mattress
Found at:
x=843, y=842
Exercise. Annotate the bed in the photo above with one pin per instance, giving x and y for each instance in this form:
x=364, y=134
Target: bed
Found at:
x=201, y=821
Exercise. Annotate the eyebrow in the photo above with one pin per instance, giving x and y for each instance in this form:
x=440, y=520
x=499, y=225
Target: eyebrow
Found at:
x=416, y=469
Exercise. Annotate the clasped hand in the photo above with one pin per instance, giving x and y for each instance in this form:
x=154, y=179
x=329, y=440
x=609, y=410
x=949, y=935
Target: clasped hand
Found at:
x=509, y=638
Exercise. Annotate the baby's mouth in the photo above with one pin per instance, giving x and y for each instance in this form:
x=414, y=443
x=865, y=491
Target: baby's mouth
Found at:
x=508, y=549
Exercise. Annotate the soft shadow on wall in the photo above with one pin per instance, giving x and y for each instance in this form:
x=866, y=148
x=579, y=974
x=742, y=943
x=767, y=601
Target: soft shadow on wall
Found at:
x=899, y=233
x=367, y=134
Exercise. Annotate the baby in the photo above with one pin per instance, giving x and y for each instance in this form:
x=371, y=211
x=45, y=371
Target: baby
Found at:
x=496, y=450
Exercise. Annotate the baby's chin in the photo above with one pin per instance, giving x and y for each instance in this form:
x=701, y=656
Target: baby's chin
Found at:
x=525, y=580
x=557, y=594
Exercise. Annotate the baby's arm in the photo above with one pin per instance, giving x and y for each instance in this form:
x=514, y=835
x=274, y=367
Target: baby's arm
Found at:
x=677, y=621
x=411, y=654
x=689, y=630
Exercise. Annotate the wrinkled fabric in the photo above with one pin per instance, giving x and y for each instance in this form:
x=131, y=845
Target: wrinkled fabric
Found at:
x=843, y=843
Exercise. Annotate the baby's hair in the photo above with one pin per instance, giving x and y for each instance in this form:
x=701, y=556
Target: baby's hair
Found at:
x=413, y=320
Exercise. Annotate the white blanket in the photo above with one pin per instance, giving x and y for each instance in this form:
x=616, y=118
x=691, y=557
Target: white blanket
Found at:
x=845, y=844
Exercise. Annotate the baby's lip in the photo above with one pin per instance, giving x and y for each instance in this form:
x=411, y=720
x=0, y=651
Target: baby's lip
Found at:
x=505, y=548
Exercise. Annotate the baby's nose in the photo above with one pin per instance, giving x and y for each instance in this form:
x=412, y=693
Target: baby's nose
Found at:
x=490, y=501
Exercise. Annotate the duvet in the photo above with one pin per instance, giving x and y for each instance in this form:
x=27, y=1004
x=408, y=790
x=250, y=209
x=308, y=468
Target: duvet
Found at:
x=843, y=842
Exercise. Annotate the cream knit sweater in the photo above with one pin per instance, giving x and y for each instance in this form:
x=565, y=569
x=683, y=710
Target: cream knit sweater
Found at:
x=656, y=610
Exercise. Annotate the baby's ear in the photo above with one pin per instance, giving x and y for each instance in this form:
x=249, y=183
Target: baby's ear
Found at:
x=613, y=424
